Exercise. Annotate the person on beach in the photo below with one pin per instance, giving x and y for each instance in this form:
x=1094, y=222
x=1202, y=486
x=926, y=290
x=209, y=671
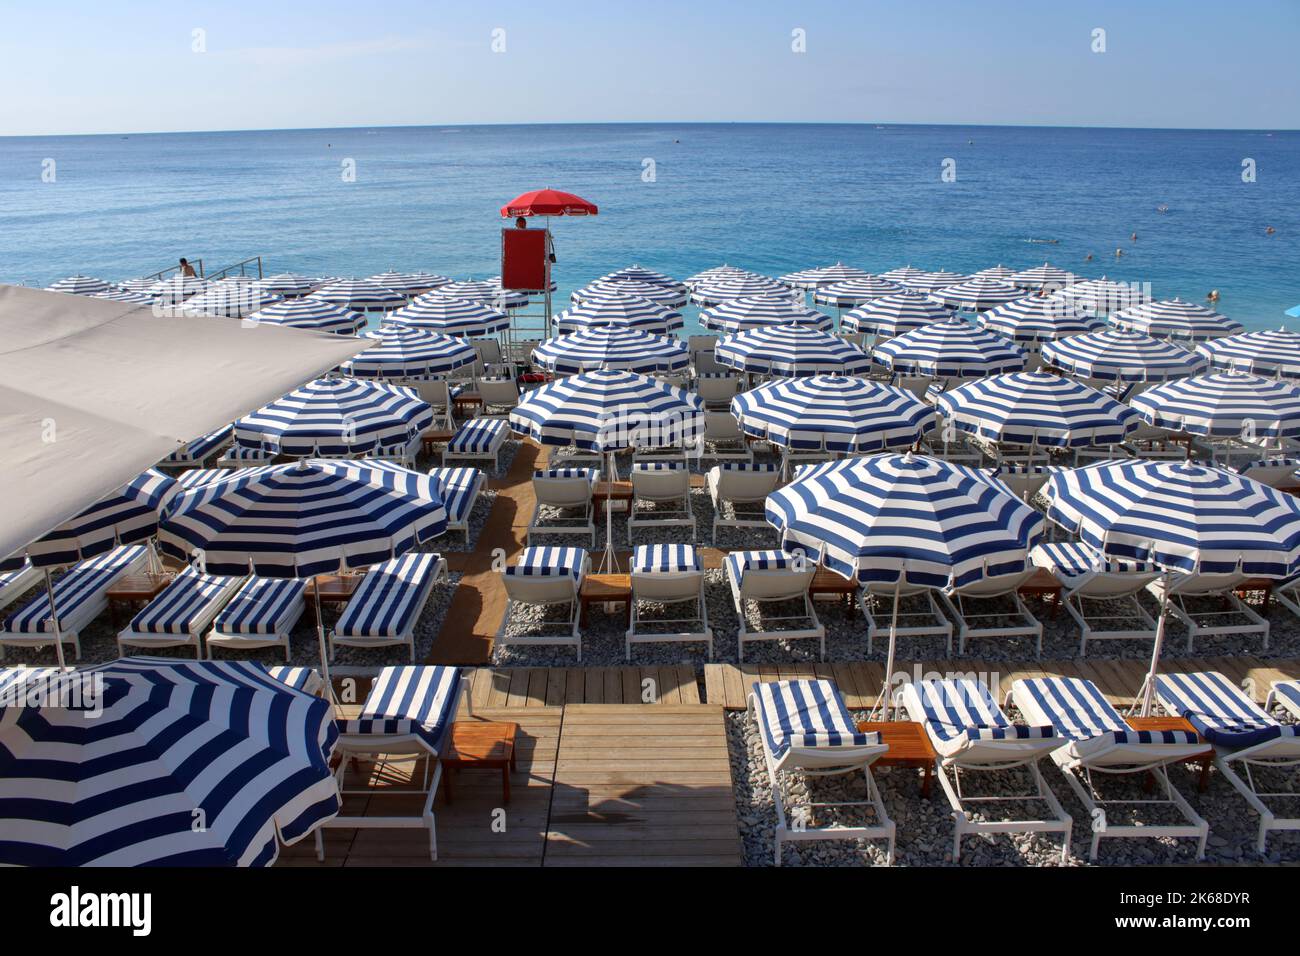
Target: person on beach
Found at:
x=1213, y=296
x=187, y=270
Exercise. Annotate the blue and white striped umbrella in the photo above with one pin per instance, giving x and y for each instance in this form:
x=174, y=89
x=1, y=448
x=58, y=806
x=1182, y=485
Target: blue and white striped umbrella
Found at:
x=137, y=285
x=1035, y=408
x=1224, y=405
x=762, y=311
x=718, y=290
x=403, y=352
x=624, y=311
x=824, y=276
x=1045, y=277
x=128, y=515
x=336, y=416
x=177, y=289
x=1104, y=296
x=311, y=313
x=873, y=519
x=287, y=284
x=934, y=281
x=951, y=349
x=838, y=413
x=79, y=285
x=230, y=299
x=1175, y=319
x=977, y=293
x=669, y=296
x=487, y=291
x=855, y=292
x=609, y=410
x=637, y=273
x=451, y=316
x=1038, y=318
x=528, y=292
x=155, y=748
x=410, y=283
x=1270, y=352
x=612, y=347
x=895, y=314
x=1113, y=356
x=124, y=295
x=902, y=274
x=361, y=295
x=791, y=350
x=998, y=271
x=717, y=272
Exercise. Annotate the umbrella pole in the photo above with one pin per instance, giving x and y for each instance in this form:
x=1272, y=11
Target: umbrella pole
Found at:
x=889, y=657
x=54, y=619
x=607, y=563
x=1149, y=685
x=320, y=638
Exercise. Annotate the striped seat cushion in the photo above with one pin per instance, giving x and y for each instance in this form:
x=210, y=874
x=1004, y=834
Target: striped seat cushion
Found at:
x=592, y=475
x=1079, y=711
x=1219, y=710
x=412, y=699
x=658, y=466
x=665, y=558
x=806, y=713
x=388, y=598
x=1289, y=692
x=241, y=452
x=82, y=584
x=965, y=710
x=541, y=562
x=478, y=436
x=8, y=578
x=1072, y=559
x=304, y=679
x=261, y=606
x=746, y=466
x=738, y=562
x=1023, y=468
x=177, y=607
x=458, y=487
x=201, y=447
x=1245, y=469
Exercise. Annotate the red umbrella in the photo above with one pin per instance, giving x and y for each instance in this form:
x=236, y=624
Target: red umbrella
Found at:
x=548, y=202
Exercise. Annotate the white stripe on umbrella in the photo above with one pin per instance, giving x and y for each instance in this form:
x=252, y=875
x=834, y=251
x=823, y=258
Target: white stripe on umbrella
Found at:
x=335, y=417
x=361, y=295
x=717, y=290
x=669, y=296
x=933, y=281
x=1039, y=318
x=1045, y=277
x=854, y=292
x=79, y=285
x=977, y=293
x=824, y=276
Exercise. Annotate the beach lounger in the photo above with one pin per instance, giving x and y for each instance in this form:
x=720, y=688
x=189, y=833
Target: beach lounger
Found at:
x=970, y=732
x=305, y=679
x=479, y=439
x=739, y=493
x=979, y=616
x=566, y=491
x=386, y=605
x=401, y=453
x=722, y=439
x=546, y=577
x=666, y=487
x=1100, y=742
x=80, y=594
x=1274, y=472
x=247, y=456
x=436, y=393
x=671, y=575
x=500, y=395
x=261, y=614
x=926, y=621
x=807, y=729
x=1231, y=616
x=459, y=488
x=407, y=714
x=769, y=577
x=14, y=584
x=193, y=454
x=717, y=389
x=1099, y=593
x=1023, y=479
x=180, y=614
x=1245, y=736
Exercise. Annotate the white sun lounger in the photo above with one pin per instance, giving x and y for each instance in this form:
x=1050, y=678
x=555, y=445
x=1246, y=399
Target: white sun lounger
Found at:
x=80, y=594
x=568, y=491
x=180, y=613
x=671, y=575
x=408, y=713
x=14, y=584
x=978, y=617
x=806, y=728
x=742, y=489
x=547, y=577
x=386, y=605
x=1234, y=618
x=261, y=614
x=402, y=453
x=459, y=488
x=666, y=486
x=1245, y=736
x=970, y=732
x=927, y=622
x=479, y=439
x=305, y=679
x=1100, y=594
x=1100, y=742
x=767, y=577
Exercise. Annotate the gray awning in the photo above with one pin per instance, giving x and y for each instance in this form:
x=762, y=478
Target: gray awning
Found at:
x=92, y=392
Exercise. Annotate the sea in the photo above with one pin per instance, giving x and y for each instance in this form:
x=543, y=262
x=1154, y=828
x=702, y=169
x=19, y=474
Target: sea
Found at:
x=678, y=198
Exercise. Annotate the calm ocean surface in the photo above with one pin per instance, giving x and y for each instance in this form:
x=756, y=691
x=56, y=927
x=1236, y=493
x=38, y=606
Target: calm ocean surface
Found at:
x=773, y=198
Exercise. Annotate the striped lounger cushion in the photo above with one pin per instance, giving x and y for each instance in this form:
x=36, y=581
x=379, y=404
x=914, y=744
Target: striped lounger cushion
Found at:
x=665, y=559
x=412, y=699
x=480, y=436
x=738, y=562
x=591, y=474
x=806, y=713
x=177, y=607
x=81, y=585
x=1219, y=711
x=253, y=453
x=262, y=606
x=959, y=713
x=658, y=466
x=746, y=466
x=458, y=487
x=10, y=578
x=200, y=448
x=1074, y=559
x=389, y=597
x=305, y=679
x=1080, y=712
x=1289, y=692
x=548, y=562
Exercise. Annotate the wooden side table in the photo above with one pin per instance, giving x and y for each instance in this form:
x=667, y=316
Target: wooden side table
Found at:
x=132, y=589
x=334, y=588
x=604, y=491
x=826, y=581
x=481, y=745
x=604, y=589
x=1260, y=585
x=434, y=436
x=909, y=746
x=1177, y=723
x=1043, y=584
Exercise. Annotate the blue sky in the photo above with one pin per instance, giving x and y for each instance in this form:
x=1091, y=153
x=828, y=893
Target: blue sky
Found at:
x=91, y=67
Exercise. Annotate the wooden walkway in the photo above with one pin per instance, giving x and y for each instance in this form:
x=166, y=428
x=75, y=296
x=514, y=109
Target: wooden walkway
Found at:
x=534, y=687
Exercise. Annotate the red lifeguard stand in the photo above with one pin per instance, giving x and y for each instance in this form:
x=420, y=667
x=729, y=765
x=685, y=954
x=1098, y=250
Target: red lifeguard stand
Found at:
x=526, y=253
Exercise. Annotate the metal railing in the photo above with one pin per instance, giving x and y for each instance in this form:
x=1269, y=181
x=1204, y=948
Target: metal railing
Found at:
x=243, y=268
x=173, y=270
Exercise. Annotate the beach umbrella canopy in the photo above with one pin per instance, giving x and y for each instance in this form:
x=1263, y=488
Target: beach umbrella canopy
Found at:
x=895, y=313
x=719, y=289
x=951, y=349
x=717, y=272
x=118, y=780
x=1038, y=318
x=834, y=412
x=123, y=295
x=932, y=281
x=336, y=416
x=488, y=292
x=1175, y=319
x=790, y=350
x=410, y=283
x=1035, y=408
x=438, y=312
x=612, y=347
x=1045, y=277
x=1223, y=405
x=1270, y=352
x=127, y=516
x=177, y=289
x=1110, y=355
x=977, y=293
x=902, y=274
x=361, y=295
x=528, y=292
x=311, y=313
x=548, y=202
x=137, y=285
x=230, y=299
x=998, y=271
x=1104, y=296
x=669, y=296
x=853, y=292
x=79, y=285
x=288, y=284
x=636, y=273
x=762, y=311
x=405, y=352
x=824, y=276
x=625, y=311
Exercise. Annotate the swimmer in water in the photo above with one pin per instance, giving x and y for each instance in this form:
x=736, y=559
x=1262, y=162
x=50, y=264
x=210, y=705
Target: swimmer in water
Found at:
x=1088, y=257
x=1213, y=296
x=1269, y=231
x=1118, y=252
x=1133, y=238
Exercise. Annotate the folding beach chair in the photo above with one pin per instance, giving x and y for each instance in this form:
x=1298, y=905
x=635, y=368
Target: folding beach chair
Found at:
x=970, y=732
x=1244, y=735
x=436, y=393
x=180, y=614
x=717, y=389
x=665, y=487
x=669, y=575
x=773, y=577
x=1100, y=742
x=722, y=439
x=262, y=613
x=14, y=584
x=807, y=729
x=1099, y=593
x=739, y=493
x=981, y=610
x=479, y=439
x=563, y=502
x=927, y=620
x=500, y=395
x=1226, y=614
x=386, y=605
x=459, y=488
x=407, y=714
x=195, y=453
x=80, y=595
x=546, y=577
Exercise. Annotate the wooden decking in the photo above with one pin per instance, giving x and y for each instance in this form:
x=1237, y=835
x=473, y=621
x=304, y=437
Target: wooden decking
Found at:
x=534, y=687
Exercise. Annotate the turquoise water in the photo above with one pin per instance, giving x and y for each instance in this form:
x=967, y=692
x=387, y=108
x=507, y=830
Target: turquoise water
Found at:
x=774, y=198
